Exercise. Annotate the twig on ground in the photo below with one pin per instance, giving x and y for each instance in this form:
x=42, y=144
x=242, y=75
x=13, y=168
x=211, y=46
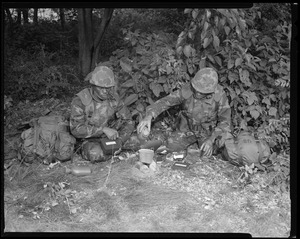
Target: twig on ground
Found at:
x=109, y=170
x=22, y=160
x=12, y=133
x=75, y=152
x=68, y=204
x=18, y=167
x=73, y=75
x=25, y=174
x=240, y=176
x=8, y=141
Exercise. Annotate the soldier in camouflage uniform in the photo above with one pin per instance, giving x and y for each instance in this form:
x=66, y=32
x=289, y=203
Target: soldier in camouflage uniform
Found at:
x=206, y=113
x=97, y=112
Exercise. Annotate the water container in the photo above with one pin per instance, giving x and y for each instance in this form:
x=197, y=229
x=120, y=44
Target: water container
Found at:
x=144, y=134
x=79, y=170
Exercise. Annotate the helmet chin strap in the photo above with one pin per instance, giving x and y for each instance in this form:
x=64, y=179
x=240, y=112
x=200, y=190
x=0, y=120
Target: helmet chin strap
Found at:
x=199, y=98
x=195, y=95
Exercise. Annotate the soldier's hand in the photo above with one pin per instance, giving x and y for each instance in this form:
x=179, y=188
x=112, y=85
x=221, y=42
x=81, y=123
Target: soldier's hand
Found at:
x=112, y=134
x=146, y=122
x=207, y=147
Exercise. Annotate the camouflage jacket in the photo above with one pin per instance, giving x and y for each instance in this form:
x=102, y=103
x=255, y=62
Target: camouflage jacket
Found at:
x=212, y=115
x=89, y=117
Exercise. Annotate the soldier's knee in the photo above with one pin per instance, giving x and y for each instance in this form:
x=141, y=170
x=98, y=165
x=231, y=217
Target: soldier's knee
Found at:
x=92, y=151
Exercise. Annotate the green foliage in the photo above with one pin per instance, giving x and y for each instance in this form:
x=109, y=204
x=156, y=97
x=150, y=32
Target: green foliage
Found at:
x=38, y=61
x=278, y=11
x=280, y=172
x=278, y=176
x=247, y=172
x=30, y=37
x=146, y=20
x=276, y=133
x=32, y=76
x=169, y=20
x=253, y=67
x=148, y=68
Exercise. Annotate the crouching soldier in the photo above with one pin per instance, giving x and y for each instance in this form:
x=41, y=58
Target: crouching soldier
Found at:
x=206, y=113
x=97, y=112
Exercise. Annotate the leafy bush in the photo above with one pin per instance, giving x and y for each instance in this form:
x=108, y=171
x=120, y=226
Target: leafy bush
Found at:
x=277, y=174
x=146, y=20
x=29, y=37
x=169, y=20
x=147, y=68
x=33, y=76
x=253, y=67
x=276, y=133
x=280, y=174
x=39, y=61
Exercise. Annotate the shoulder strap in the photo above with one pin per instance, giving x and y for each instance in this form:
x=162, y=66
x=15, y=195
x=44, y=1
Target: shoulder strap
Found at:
x=85, y=96
x=260, y=152
x=36, y=134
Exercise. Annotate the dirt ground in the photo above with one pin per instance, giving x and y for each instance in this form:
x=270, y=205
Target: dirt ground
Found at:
x=205, y=198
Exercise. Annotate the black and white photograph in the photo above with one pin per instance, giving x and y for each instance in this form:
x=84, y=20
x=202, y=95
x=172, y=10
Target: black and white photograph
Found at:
x=149, y=120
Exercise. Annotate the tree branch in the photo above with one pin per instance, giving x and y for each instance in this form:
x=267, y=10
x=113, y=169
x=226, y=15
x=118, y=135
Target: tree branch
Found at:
x=9, y=16
x=104, y=24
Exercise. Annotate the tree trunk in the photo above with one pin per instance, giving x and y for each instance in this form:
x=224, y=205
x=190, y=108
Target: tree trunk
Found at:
x=88, y=47
x=25, y=15
x=62, y=18
x=9, y=17
x=108, y=12
x=19, y=16
x=85, y=39
x=35, y=16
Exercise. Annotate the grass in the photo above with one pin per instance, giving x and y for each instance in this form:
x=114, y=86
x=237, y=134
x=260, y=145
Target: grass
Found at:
x=169, y=202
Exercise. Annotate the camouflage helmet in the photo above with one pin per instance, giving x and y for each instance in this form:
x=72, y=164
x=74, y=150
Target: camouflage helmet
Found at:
x=205, y=80
x=102, y=76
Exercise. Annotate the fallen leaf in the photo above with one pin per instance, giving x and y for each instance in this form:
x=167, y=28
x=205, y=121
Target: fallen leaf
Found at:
x=47, y=208
x=121, y=158
x=53, y=164
x=73, y=210
x=68, y=191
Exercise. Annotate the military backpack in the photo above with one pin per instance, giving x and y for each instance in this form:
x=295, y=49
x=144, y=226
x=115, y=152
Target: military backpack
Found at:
x=246, y=149
x=48, y=137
